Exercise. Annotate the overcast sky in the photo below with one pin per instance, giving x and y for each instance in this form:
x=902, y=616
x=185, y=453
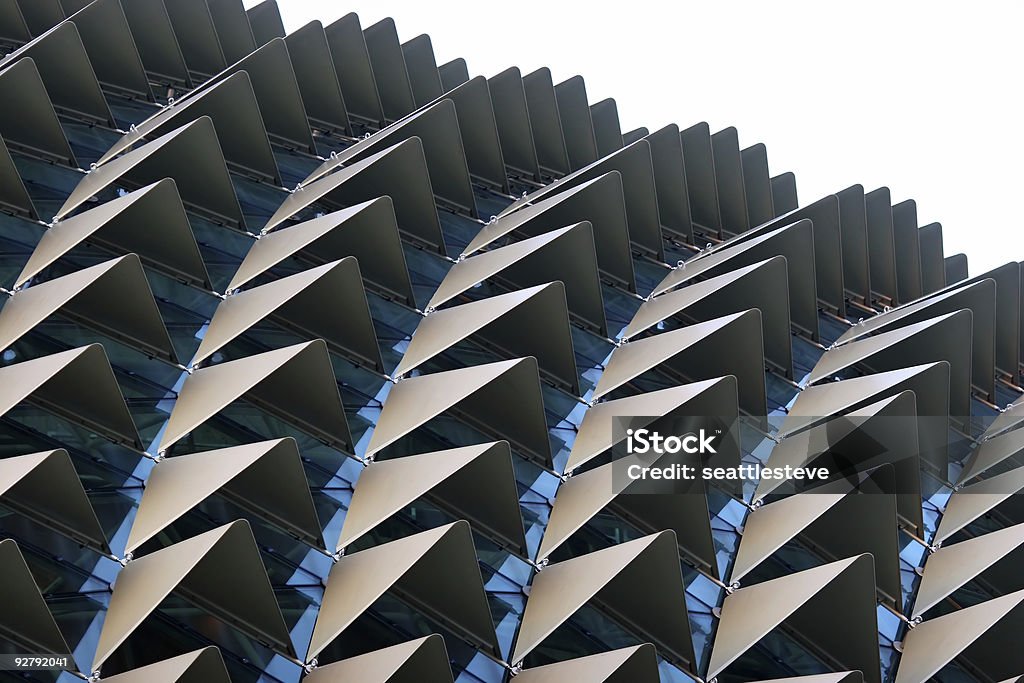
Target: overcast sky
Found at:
x=922, y=97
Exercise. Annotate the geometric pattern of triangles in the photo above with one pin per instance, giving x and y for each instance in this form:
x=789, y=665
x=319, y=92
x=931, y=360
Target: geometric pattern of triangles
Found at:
x=314, y=354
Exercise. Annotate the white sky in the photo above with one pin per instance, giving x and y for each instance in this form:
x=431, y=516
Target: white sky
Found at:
x=922, y=97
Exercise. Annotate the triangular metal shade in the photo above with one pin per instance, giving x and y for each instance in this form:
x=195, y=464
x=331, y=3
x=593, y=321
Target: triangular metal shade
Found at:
x=231, y=105
x=200, y=666
x=437, y=127
x=599, y=201
x=757, y=186
x=828, y=257
x=1008, y=317
x=67, y=72
x=479, y=393
x=424, y=78
x=436, y=570
x=197, y=36
x=933, y=260
x=77, y=385
x=822, y=515
x=607, y=133
x=792, y=241
x=220, y=571
x=732, y=193
x=637, y=664
x=13, y=195
x=971, y=502
x=167, y=244
x=908, y=250
x=297, y=383
x=84, y=297
x=277, y=91
x=991, y=452
x=326, y=302
x=943, y=338
x=265, y=22
x=190, y=155
x=158, y=46
x=108, y=41
x=713, y=397
x=993, y=557
x=980, y=633
x=399, y=172
x=762, y=285
x=929, y=383
x=636, y=168
x=451, y=480
x=583, y=496
x=453, y=73
x=318, y=81
x=701, y=186
x=670, y=180
x=424, y=660
x=389, y=70
x=25, y=620
x=638, y=581
x=803, y=601
x=352, y=63
x=45, y=488
x=479, y=131
x=31, y=125
x=567, y=254
x=531, y=321
x=726, y=345
x=577, y=127
x=232, y=26
x=979, y=297
x=367, y=231
x=265, y=478
x=545, y=123
x=887, y=432
x=508, y=98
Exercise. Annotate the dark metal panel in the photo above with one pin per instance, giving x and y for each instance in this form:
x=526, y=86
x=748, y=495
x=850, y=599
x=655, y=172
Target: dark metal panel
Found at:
x=757, y=184
x=908, y=251
x=424, y=77
x=265, y=22
x=784, y=193
x=157, y=44
x=853, y=228
x=546, y=123
x=197, y=36
x=389, y=70
x=67, y=74
x=605, y=115
x=670, y=180
x=956, y=268
x=318, y=81
x=108, y=41
x=632, y=136
x=453, y=73
x=508, y=100
x=577, y=127
x=881, y=247
x=41, y=15
x=232, y=26
x=732, y=198
x=352, y=62
x=701, y=186
x=933, y=267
